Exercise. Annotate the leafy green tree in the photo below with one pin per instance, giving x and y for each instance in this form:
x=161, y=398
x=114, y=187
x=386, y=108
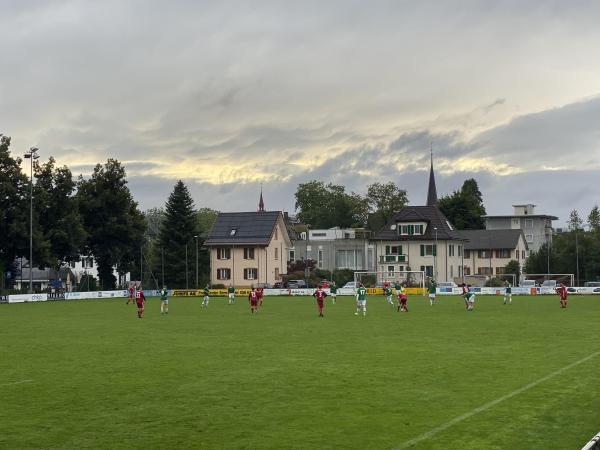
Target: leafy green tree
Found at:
x=14, y=209
x=327, y=206
x=115, y=226
x=60, y=223
x=594, y=219
x=513, y=268
x=177, y=232
x=384, y=201
x=464, y=208
x=574, y=223
x=206, y=218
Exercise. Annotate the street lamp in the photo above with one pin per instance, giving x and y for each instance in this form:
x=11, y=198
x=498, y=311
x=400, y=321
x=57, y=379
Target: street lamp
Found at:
x=196, y=238
x=186, y=268
x=31, y=155
x=435, y=255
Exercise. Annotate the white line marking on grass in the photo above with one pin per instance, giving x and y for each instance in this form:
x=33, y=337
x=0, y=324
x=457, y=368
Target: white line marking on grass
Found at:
x=491, y=404
x=16, y=382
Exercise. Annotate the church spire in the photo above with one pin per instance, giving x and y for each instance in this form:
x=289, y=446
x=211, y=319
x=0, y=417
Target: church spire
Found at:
x=431, y=190
x=261, y=203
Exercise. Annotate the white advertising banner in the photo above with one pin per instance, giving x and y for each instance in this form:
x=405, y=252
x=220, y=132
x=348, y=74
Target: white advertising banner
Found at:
x=22, y=298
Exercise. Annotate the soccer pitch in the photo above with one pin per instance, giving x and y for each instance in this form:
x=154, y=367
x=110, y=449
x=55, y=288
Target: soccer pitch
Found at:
x=90, y=374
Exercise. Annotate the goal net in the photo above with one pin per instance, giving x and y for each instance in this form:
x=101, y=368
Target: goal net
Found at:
x=410, y=278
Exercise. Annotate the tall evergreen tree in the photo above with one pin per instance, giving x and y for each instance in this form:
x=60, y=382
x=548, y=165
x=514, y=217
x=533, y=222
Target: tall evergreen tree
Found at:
x=464, y=208
x=177, y=232
x=114, y=224
x=14, y=210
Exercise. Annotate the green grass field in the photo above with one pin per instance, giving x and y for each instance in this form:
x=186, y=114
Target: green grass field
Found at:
x=89, y=374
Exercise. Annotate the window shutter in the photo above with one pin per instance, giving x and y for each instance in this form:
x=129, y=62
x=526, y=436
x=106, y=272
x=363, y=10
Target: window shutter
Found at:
x=434, y=250
x=422, y=250
x=400, y=250
x=411, y=229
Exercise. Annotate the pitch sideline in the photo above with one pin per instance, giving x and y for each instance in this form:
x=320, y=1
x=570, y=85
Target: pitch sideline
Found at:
x=491, y=404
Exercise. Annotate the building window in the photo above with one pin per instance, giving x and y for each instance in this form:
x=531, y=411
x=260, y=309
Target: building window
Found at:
x=484, y=271
x=528, y=223
x=390, y=270
x=275, y=235
x=523, y=254
x=418, y=229
x=467, y=254
x=88, y=263
x=451, y=250
x=515, y=222
x=319, y=259
x=393, y=249
x=349, y=259
x=467, y=270
x=529, y=238
x=428, y=270
x=248, y=253
x=223, y=253
x=503, y=253
x=276, y=253
x=233, y=232
x=319, y=234
x=223, y=274
x=250, y=274
x=500, y=270
x=460, y=250
x=428, y=250
x=292, y=255
x=484, y=254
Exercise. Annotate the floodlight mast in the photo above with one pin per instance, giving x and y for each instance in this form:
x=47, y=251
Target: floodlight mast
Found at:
x=31, y=155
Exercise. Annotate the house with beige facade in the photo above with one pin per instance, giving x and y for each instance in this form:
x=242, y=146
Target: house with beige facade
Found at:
x=420, y=238
x=247, y=248
x=487, y=252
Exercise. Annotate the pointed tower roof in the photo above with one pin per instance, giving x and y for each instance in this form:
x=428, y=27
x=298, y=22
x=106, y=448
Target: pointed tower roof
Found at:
x=431, y=190
x=261, y=203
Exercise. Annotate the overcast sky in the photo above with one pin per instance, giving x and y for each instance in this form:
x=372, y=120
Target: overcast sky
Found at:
x=228, y=95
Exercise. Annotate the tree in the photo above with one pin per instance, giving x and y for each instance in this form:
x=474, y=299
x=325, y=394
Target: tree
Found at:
x=115, y=226
x=513, y=268
x=206, y=218
x=177, y=232
x=14, y=210
x=384, y=200
x=327, y=206
x=575, y=223
x=464, y=208
x=594, y=219
x=61, y=227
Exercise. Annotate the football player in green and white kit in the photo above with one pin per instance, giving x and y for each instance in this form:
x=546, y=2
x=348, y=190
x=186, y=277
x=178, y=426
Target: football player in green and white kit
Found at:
x=231, y=294
x=361, y=300
x=164, y=300
x=206, y=296
x=333, y=291
x=508, y=293
x=432, y=288
x=387, y=291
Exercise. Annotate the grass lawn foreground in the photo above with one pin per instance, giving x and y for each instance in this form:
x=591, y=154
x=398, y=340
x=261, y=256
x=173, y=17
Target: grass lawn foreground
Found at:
x=90, y=374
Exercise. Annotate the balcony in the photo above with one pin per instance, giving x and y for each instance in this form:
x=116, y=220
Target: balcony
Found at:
x=393, y=259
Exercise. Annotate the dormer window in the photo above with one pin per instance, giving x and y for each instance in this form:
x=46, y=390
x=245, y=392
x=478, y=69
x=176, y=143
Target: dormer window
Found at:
x=411, y=229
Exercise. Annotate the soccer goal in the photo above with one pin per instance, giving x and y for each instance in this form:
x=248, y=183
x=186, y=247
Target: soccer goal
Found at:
x=548, y=279
x=410, y=278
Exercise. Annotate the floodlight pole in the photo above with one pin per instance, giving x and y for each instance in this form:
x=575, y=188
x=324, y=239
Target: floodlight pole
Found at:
x=186, y=268
x=31, y=155
x=576, y=257
x=196, y=238
x=435, y=254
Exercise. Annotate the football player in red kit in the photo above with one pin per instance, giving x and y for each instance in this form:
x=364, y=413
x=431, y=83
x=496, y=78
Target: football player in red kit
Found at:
x=140, y=300
x=253, y=299
x=563, y=293
x=320, y=295
x=260, y=292
x=131, y=293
